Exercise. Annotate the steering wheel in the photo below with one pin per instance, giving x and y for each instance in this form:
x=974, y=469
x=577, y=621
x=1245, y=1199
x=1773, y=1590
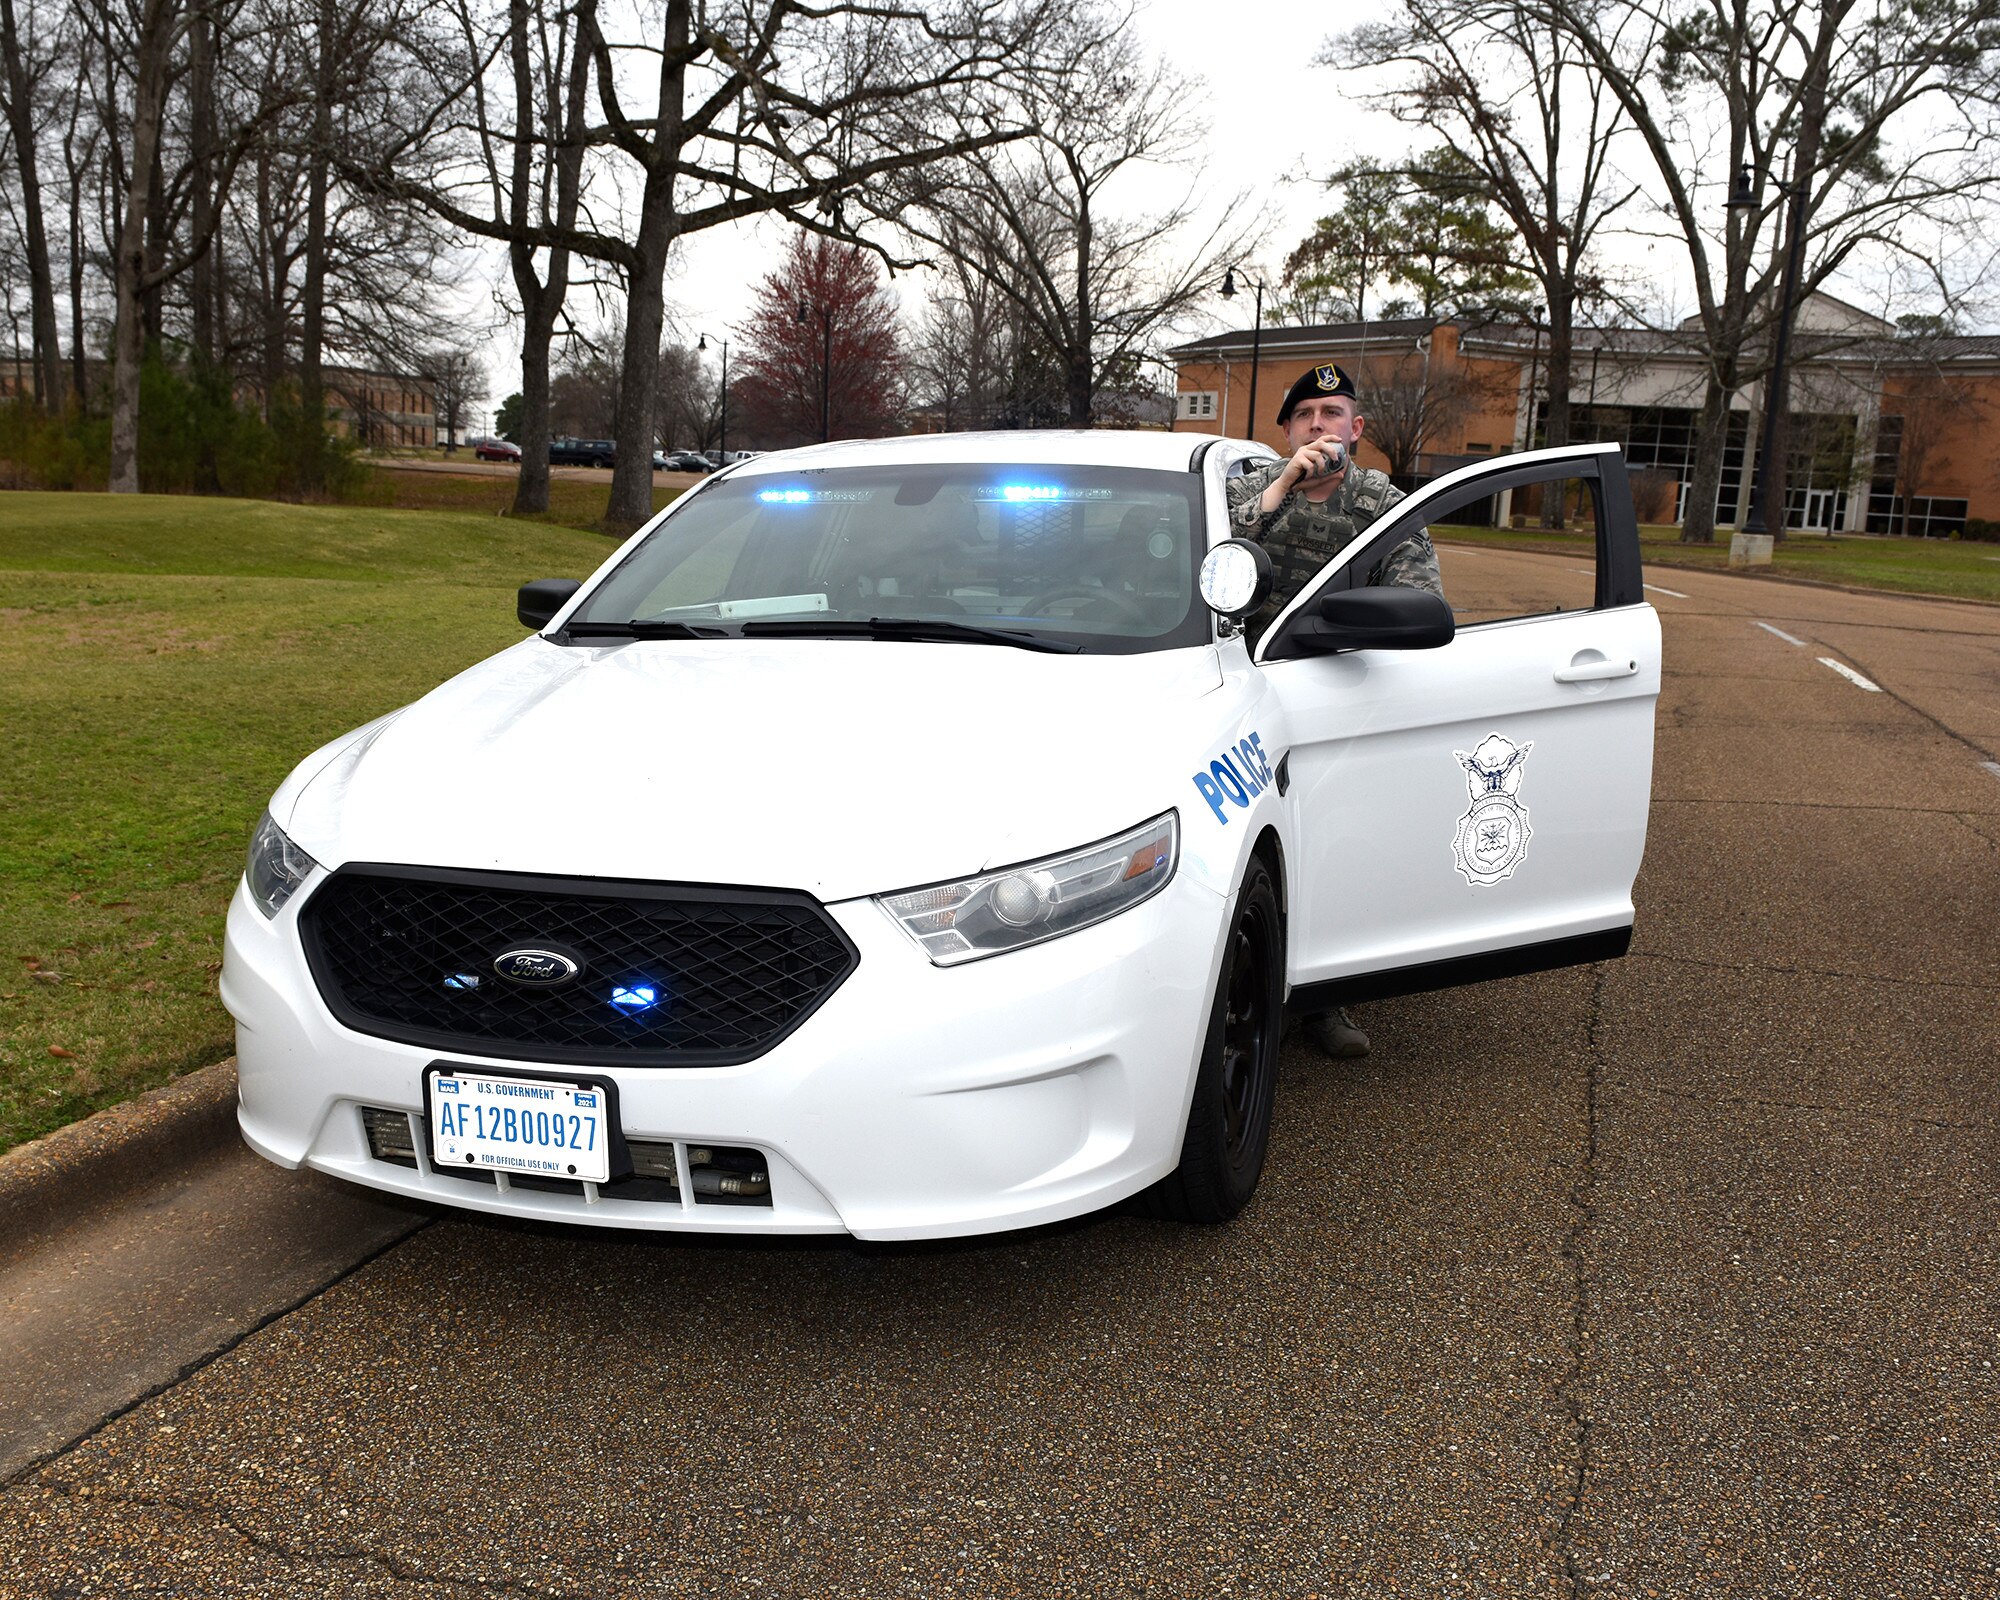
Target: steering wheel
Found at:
x=1128, y=610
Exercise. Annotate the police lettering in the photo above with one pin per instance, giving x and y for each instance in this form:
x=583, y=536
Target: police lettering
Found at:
x=1236, y=777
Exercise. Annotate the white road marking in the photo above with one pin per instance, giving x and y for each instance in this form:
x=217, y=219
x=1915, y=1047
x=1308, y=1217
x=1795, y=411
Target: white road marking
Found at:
x=1780, y=632
x=1658, y=590
x=1992, y=767
x=1850, y=675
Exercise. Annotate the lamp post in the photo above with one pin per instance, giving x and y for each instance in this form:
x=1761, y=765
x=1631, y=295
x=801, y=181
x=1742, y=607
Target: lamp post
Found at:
x=722, y=448
x=1256, y=337
x=825, y=365
x=1534, y=379
x=1771, y=442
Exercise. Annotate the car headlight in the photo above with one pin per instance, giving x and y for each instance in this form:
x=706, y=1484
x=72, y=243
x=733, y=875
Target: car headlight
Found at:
x=1024, y=905
x=276, y=867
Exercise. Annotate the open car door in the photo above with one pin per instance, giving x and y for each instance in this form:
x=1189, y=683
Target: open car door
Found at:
x=1478, y=808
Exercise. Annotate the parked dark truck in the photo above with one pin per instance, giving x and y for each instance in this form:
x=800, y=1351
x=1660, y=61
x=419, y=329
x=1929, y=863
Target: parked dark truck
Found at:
x=566, y=452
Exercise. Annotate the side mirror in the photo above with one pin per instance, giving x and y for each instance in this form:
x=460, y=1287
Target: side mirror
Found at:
x=538, y=602
x=1236, y=577
x=1387, y=618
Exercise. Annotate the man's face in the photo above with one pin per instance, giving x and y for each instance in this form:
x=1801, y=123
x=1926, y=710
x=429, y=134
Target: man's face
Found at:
x=1324, y=417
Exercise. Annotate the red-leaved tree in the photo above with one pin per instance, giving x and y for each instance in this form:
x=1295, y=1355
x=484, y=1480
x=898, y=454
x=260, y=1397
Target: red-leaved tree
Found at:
x=824, y=317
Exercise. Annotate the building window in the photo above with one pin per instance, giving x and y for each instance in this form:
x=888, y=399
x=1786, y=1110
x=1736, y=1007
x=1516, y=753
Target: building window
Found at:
x=1198, y=406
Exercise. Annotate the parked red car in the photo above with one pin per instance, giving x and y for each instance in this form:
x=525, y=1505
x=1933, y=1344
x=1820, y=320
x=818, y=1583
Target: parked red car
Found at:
x=495, y=450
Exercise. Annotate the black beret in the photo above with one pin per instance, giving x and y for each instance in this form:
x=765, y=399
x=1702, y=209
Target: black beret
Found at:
x=1318, y=381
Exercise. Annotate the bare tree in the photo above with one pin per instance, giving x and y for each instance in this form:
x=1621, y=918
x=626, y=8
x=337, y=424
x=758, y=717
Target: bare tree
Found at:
x=24, y=68
x=976, y=358
x=458, y=382
x=1534, y=126
x=689, y=400
x=1925, y=401
x=1887, y=115
x=1038, y=220
x=144, y=47
x=1408, y=403
x=775, y=106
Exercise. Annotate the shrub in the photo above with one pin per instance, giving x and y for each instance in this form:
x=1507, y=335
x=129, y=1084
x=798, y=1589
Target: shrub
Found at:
x=1654, y=492
x=1983, y=529
x=196, y=436
x=71, y=450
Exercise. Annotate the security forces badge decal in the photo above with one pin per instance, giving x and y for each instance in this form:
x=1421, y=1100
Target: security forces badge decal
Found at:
x=1493, y=834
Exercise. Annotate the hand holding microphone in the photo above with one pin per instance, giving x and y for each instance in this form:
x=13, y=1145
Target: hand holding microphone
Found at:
x=1320, y=459
x=1332, y=457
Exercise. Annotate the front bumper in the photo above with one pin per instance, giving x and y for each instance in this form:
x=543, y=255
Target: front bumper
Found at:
x=917, y=1102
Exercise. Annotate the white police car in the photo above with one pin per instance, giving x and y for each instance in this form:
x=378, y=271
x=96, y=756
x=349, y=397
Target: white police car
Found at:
x=899, y=838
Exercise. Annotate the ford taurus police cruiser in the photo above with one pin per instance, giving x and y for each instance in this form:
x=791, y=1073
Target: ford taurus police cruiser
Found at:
x=903, y=838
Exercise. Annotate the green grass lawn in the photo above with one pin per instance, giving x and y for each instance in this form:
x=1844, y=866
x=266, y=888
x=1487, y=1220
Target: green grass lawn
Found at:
x=573, y=502
x=166, y=661
x=1957, y=569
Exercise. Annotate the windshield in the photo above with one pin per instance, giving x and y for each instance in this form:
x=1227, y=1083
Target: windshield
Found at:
x=1100, y=559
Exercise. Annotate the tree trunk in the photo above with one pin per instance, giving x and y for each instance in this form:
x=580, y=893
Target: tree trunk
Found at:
x=79, y=373
x=1773, y=451
x=41, y=282
x=153, y=298
x=531, y=489
x=645, y=308
x=201, y=90
x=1711, y=440
x=1080, y=389
x=149, y=71
x=312, y=311
x=638, y=383
x=542, y=300
x=1562, y=344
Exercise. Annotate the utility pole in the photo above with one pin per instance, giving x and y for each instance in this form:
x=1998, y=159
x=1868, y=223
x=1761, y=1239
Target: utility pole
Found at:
x=1256, y=338
x=825, y=366
x=722, y=448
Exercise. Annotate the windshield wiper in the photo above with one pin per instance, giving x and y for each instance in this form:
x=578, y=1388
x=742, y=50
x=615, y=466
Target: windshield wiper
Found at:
x=641, y=628
x=923, y=629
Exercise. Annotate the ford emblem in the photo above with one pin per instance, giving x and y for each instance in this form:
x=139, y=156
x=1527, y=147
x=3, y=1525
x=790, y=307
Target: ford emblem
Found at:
x=536, y=967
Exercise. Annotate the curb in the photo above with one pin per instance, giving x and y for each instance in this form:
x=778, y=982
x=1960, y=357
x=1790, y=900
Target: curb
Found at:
x=49, y=1181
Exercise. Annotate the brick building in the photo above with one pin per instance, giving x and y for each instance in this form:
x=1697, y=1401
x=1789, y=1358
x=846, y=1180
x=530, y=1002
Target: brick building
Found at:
x=384, y=409
x=1887, y=436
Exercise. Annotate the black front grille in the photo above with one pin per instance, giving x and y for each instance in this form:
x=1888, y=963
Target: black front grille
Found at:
x=407, y=953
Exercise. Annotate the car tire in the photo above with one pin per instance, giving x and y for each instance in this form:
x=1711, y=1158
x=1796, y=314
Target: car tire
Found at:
x=1236, y=1086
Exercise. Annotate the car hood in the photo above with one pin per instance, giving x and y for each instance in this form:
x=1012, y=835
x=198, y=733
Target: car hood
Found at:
x=841, y=767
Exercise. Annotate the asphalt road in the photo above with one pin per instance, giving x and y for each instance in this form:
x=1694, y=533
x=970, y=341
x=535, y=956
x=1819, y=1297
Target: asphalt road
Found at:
x=1675, y=1277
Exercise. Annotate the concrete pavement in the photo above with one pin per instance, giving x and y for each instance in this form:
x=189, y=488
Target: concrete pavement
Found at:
x=1675, y=1277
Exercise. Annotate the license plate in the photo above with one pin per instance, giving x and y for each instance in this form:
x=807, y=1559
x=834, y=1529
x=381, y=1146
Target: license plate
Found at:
x=539, y=1126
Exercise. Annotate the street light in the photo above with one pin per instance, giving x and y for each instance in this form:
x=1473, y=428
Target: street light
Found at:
x=1771, y=446
x=825, y=365
x=722, y=448
x=1256, y=337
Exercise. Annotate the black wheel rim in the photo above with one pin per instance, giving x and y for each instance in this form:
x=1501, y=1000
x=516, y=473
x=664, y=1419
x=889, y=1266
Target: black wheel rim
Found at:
x=1247, y=1059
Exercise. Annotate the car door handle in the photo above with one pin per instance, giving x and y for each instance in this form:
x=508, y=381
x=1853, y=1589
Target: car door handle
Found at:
x=1596, y=671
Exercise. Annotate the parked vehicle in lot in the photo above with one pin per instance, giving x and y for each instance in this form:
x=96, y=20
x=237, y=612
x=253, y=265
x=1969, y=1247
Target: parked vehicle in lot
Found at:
x=685, y=461
x=496, y=450
x=568, y=452
x=903, y=837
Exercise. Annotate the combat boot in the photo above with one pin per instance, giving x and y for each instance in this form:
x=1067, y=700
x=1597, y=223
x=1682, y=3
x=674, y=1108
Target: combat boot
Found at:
x=1335, y=1034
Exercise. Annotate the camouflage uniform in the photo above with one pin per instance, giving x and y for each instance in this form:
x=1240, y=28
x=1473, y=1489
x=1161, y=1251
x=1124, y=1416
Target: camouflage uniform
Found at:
x=1302, y=537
